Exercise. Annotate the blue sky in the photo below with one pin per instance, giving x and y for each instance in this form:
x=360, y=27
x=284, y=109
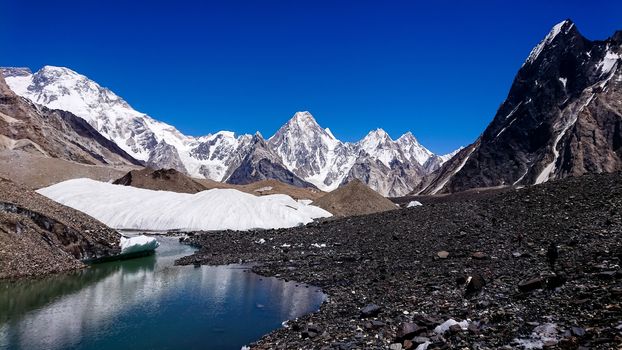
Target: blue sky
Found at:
x=437, y=68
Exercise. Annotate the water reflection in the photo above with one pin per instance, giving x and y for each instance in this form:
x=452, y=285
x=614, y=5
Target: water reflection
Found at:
x=149, y=303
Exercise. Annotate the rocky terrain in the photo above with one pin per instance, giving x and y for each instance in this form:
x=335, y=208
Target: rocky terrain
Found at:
x=160, y=180
x=39, y=236
x=355, y=198
x=522, y=268
x=561, y=118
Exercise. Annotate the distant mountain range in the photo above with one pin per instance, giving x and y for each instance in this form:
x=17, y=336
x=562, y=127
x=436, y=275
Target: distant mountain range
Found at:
x=562, y=117
x=300, y=153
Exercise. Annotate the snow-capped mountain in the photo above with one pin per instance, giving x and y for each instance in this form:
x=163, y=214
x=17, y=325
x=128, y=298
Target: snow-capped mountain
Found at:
x=392, y=168
x=562, y=117
x=144, y=138
x=313, y=153
x=300, y=152
x=27, y=127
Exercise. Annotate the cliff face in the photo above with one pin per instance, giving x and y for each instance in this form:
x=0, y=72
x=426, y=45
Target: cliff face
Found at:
x=562, y=117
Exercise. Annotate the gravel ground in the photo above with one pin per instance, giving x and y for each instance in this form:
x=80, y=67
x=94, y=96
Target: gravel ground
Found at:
x=394, y=277
x=40, y=237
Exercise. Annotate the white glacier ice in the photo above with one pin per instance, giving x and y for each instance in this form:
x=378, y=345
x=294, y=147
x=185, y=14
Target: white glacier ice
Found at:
x=124, y=207
x=138, y=244
x=414, y=204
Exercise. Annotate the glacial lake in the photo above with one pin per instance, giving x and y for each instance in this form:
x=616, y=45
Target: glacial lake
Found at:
x=148, y=303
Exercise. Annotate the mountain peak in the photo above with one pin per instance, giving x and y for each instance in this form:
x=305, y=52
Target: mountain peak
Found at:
x=564, y=27
x=56, y=70
x=303, y=120
x=378, y=134
x=408, y=137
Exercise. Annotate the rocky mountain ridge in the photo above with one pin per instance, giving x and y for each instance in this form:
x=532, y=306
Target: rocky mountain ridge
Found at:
x=305, y=150
x=31, y=128
x=562, y=117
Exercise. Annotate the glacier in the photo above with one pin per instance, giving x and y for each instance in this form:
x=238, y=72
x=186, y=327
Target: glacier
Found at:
x=130, y=208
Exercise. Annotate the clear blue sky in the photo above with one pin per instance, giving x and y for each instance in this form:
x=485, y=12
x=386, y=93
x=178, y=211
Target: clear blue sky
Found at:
x=437, y=68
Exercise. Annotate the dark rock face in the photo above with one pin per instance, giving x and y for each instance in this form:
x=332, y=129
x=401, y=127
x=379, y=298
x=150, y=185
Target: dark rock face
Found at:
x=562, y=117
x=261, y=163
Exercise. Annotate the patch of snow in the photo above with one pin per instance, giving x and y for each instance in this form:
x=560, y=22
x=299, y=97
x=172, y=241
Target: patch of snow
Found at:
x=305, y=201
x=521, y=178
x=608, y=62
x=414, y=204
x=264, y=189
x=563, y=81
x=317, y=245
x=125, y=207
x=444, y=327
x=508, y=116
x=546, y=332
x=423, y=346
x=138, y=244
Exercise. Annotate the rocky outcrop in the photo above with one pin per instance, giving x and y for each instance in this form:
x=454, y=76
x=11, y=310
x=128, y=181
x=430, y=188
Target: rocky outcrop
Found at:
x=39, y=236
x=562, y=117
x=355, y=198
x=165, y=156
x=160, y=180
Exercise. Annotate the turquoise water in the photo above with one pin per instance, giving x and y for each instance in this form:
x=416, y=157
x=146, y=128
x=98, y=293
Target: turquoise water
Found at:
x=148, y=303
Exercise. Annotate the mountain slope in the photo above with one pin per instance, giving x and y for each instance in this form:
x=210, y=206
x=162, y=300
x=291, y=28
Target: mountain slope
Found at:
x=392, y=168
x=562, y=117
x=311, y=152
x=39, y=236
x=303, y=148
x=261, y=163
x=53, y=133
x=157, y=144
x=355, y=198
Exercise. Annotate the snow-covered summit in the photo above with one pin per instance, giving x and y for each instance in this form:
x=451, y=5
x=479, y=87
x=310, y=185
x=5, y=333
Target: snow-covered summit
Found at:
x=303, y=147
x=561, y=27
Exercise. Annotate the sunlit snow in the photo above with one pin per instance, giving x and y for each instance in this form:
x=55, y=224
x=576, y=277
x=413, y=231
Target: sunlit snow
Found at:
x=124, y=207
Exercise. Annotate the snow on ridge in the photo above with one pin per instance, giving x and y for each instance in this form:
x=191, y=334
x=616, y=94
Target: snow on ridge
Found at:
x=535, y=52
x=125, y=207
